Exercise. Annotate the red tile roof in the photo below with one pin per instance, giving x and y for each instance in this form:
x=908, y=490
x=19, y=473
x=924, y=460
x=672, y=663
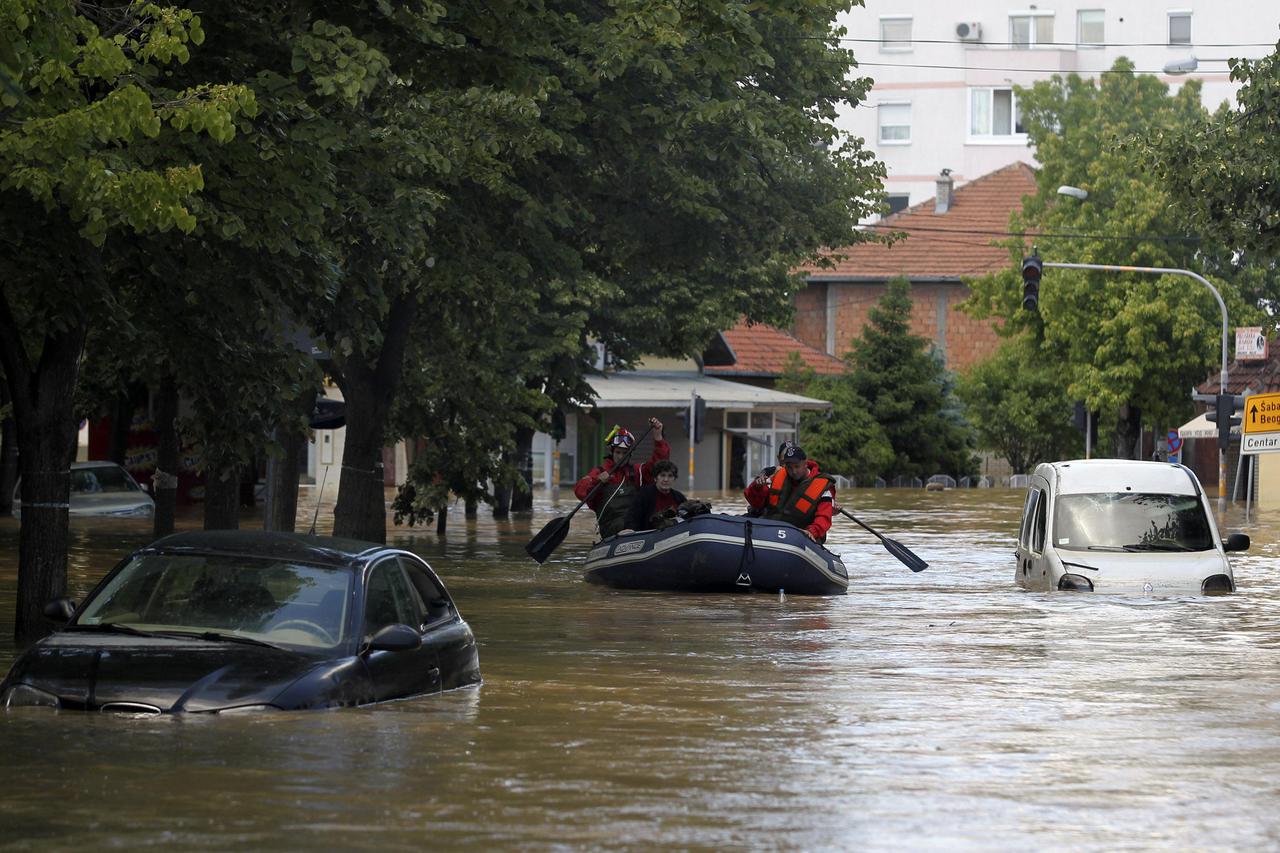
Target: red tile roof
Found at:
x=947, y=245
x=1258, y=376
x=762, y=350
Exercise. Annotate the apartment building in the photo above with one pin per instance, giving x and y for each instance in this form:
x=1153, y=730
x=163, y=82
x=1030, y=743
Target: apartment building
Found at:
x=945, y=70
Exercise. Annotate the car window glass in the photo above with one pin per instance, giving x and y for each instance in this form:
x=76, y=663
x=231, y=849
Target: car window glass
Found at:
x=1028, y=512
x=388, y=599
x=436, y=602
x=1129, y=521
x=280, y=602
x=1038, y=528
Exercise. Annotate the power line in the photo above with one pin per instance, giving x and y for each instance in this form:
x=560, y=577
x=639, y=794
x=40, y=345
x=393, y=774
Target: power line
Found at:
x=859, y=63
x=1184, y=238
x=1038, y=45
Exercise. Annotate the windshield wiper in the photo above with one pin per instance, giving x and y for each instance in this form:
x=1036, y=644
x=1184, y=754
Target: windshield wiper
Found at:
x=1158, y=546
x=219, y=637
x=110, y=628
x=1108, y=548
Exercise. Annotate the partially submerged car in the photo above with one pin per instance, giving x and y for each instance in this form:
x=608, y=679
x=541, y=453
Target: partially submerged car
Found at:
x=230, y=621
x=101, y=488
x=1121, y=525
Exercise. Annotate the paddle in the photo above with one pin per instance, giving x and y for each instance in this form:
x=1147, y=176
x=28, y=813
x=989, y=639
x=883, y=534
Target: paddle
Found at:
x=897, y=549
x=550, y=536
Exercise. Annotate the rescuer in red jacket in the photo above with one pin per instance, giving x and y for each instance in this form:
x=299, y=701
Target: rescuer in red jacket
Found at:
x=795, y=493
x=612, y=501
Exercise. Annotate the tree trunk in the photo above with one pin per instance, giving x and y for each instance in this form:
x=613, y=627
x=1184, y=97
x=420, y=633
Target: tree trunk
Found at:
x=470, y=508
x=369, y=389
x=121, y=422
x=222, y=498
x=522, y=499
x=283, y=485
x=45, y=419
x=501, y=500
x=442, y=520
x=8, y=456
x=1128, y=432
x=168, y=456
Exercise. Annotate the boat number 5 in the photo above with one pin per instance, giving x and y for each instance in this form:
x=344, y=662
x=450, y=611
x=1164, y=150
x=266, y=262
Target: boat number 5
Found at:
x=782, y=534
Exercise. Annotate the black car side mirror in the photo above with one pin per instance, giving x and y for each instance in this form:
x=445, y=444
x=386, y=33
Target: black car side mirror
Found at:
x=1236, y=542
x=60, y=610
x=395, y=638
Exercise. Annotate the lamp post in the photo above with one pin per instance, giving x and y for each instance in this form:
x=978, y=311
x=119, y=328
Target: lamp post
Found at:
x=1074, y=192
x=1222, y=306
x=1187, y=65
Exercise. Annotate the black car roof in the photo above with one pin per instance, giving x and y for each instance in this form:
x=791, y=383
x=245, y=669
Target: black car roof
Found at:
x=279, y=546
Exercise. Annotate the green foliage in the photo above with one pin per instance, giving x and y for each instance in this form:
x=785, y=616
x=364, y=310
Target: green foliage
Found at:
x=894, y=413
x=82, y=130
x=1117, y=339
x=1221, y=169
x=1018, y=402
x=909, y=392
x=847, y=440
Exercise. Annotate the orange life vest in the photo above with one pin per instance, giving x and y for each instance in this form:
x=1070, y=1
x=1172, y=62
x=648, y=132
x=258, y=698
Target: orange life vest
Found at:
x=795, y=503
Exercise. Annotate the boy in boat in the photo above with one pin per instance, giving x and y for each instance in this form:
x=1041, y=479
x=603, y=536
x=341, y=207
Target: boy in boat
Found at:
x=655, y=501
x=612, y=501
x=794, y=493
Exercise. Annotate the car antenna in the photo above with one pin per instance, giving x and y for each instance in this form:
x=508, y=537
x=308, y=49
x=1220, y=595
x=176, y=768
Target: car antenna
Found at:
x=319, y=495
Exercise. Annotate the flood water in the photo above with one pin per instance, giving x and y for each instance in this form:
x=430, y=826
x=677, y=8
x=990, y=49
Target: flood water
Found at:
x=945, y=710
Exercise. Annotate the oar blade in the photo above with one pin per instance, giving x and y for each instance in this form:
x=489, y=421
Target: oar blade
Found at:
x=904, y=554
x=549, y=538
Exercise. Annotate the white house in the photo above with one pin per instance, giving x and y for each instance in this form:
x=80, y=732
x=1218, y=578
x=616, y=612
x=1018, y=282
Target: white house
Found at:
x=944, y=71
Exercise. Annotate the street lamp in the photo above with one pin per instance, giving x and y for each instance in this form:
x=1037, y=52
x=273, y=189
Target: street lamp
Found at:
x=1181, y=66
x=1074, y=192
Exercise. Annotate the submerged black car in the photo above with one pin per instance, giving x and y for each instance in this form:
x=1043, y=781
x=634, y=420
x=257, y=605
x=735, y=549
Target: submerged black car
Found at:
x=229, y=621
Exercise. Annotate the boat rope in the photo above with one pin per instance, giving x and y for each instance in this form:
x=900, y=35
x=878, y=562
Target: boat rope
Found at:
x=748, y=554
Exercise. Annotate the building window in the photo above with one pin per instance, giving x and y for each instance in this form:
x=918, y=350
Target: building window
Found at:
x=897, y=202
x=1031, y=29
x=1090, y=30
x=895, y=33
x=1180, y=27
x=895, y=124
x=994, y=114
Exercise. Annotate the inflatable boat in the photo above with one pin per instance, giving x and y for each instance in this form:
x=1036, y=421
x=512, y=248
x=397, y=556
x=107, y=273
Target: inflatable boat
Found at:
x=718, y=553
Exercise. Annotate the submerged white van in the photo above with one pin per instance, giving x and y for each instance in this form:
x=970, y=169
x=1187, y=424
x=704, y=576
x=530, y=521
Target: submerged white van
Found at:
x=1118, y=525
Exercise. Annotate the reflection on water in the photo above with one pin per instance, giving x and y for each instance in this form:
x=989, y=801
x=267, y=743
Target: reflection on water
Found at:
x=940, y=710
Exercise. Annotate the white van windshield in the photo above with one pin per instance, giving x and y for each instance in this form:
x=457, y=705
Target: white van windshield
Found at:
x=1124, y=521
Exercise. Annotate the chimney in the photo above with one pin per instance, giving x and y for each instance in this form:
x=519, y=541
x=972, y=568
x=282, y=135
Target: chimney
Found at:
x=942, y=201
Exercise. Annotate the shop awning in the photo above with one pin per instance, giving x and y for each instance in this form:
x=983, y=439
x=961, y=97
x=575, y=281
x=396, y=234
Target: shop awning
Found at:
x=1202, y=427
x=653, y=389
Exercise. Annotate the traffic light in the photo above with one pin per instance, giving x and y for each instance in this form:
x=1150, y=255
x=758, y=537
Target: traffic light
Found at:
x=1031, y=269
x=699, y=415
x=1226, y=412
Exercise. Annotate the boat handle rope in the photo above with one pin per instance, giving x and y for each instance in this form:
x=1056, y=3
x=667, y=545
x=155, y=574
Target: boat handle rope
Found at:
x=748, y=550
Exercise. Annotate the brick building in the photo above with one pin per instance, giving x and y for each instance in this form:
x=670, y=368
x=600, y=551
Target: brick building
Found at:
x=945, y=240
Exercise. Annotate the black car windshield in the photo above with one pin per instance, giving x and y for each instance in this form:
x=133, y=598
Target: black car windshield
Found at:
x=101, y=478
x=1125, y=521
x=280, y=603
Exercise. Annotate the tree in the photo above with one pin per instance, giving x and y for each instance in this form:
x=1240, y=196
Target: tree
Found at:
x=847, y=440
x=1221, y=169
x=1127, y=344
x=1020, y=407
x=909, y=393
x=90, y=146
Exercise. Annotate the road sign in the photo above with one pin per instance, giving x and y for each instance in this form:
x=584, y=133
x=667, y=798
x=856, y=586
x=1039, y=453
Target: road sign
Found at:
x=1262, y=413
x=1175, y=441
x=1261, y=428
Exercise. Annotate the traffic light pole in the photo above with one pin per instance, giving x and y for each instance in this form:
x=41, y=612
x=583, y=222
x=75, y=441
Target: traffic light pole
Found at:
x=1222, y=306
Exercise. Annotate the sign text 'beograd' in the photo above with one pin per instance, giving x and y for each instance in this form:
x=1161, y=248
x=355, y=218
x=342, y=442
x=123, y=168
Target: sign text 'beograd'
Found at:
x=1262, y=413
x=1261, y=427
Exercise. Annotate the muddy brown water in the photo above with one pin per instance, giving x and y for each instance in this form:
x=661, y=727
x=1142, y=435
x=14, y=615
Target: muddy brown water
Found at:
x=945, y=710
